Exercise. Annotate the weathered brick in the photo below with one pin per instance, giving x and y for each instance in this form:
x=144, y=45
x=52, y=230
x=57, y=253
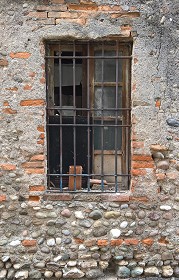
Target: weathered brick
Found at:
x=7, y=166
x=12, y=89
x=28, y=243
x=138, y=172
x=102, y=242
x=137, y=144
x=57, y=1
x=37, y=164
x=140, y=164
x=38, y=14
x=40, y=128
x=125, y=15
x=32, y=74
x=23, y=55
x=116, y=242
x=139, y=198
x=35, y=170
x=37, y=157
x=32, y=102
x=37, y=188
x=40, y=142
x=81, y=21
x=83, y=7
x=2, y=197
x=42, y=80
x=158, y=103
x=33, y=198
x=47, y=21
x=49, y=8
x=4, y=62
x=160, y=176
x=131, y=241
x=107, y=8
x=148, y=241
x=27, y=87
x=159, y=148
x=78, y=240
x=6, y=103
x=63, y=15
x=9, y=111
x=142, y=157
x=90, y=242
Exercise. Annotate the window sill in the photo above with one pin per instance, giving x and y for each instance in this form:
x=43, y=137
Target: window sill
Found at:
x=115, y=197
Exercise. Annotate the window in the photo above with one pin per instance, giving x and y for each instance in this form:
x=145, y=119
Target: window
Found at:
x=88, y=115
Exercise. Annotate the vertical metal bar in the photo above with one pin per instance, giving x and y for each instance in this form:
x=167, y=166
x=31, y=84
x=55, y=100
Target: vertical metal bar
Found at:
x=60, y=104
x=102, y=121
x=116, y=114
x=47, y=116
x=88, y=117
x=74, y=116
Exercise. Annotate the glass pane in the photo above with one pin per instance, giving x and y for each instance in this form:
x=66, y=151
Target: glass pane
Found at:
x=109, y=136
x=109, y=70
x=106, y=97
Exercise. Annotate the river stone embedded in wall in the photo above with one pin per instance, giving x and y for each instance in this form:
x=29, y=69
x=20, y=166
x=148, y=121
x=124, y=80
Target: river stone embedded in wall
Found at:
x=167, y=271
x=73, y=273
x=151, y=271
x=163, y=165
x=95, y=215
x=123, y=272
x=172, y=122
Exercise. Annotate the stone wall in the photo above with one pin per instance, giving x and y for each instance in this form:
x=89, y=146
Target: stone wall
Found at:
x=131, y=234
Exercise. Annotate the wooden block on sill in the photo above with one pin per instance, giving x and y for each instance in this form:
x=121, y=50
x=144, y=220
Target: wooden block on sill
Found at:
x=71, y=183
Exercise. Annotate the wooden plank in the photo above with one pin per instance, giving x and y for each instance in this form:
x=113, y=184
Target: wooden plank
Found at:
x=72, y=178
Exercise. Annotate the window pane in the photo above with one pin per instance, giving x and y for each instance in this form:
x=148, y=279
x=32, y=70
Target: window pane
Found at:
x=106, y=96
x=109, y=136
x=109, y=70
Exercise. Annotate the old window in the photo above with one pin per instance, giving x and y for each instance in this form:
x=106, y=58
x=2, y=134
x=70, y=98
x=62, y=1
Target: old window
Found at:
x=88, y=115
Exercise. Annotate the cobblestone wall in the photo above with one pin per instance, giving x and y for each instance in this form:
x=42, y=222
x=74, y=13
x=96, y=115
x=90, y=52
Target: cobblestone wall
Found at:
x=131, y=234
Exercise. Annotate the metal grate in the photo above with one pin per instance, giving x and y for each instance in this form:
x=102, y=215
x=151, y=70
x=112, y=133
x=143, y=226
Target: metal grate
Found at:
x=88, y=116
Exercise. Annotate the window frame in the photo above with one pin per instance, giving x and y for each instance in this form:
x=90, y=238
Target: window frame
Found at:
x=89, y=88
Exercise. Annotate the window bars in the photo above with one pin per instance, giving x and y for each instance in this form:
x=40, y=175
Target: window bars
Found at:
x=88, y=116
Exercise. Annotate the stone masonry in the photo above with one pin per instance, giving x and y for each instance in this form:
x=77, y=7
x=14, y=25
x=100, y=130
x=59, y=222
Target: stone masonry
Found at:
x=46, y=235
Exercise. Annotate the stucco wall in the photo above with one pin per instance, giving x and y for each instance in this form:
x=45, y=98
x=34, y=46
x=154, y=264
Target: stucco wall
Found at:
x=130, y=234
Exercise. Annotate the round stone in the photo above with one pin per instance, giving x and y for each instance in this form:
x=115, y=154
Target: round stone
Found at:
x=79, y=215
x=165, y=207
x=154, y=216
x=95, y=215
x=97, y=232
x=58, y=274
x=66, y=213
x=85, y=223
x=51, y=242
x=163, y=165
x=137, y=271
x=123, y=272
x=167, y=271
x=151, y=271
x=115, y=233
x=48, y=274
x=141, y=214
x=176, y=271
x=124, y=224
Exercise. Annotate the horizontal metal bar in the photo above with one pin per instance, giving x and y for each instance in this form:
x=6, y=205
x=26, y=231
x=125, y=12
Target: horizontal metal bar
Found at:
x=89, y=57
x=87, y=175
x=89, y=125
x=57, y=190
x=87, y=109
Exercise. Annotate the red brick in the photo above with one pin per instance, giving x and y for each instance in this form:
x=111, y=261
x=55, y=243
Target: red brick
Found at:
x=3, y=62
x=144, y=164
x=78, y=240
x=40, y=128
x=40, y=142
x=37, y=164
x=163, y=240
x=142, y=158
x=12, y=89
x=35, y=170
x=9, y=111
x=148, y=241
x=6, y=103
x=8, y=167
x=34, y=198
x=28, y=243
x=23, y=55
x=141, y=172
x=137, y=145
x=32, y=102
x=42, y=80
x=125, y=15
x=32, y=74
x=27, y=87
x=131, y=241
x=2, y=197
x=102, y=242
x=38, y=14
x=37, y=157
x=42, y=136
x=116, y=242
x=140, y=198
x=158, y=103
x=37, y=188
x=83, y=7
x=107, y=8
